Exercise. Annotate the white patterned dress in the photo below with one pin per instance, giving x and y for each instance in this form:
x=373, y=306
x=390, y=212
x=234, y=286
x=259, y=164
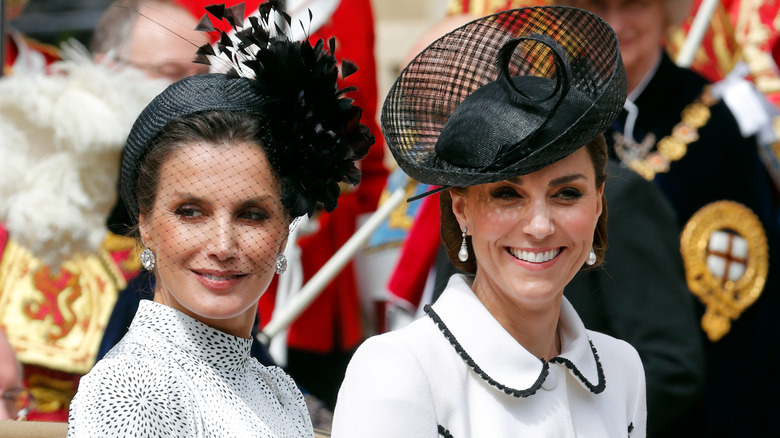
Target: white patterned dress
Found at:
x=172, y=375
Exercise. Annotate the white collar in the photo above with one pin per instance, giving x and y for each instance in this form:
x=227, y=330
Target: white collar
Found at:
x=214, y=347
x=497, y=357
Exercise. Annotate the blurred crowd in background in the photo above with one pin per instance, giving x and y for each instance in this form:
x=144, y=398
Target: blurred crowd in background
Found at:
x=70, y=280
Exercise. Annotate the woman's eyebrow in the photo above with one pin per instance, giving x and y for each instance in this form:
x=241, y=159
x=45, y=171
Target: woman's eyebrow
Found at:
x=256, y=201
x=566, y=179
x=555, y=182
x=186, y=196
x=248, y=202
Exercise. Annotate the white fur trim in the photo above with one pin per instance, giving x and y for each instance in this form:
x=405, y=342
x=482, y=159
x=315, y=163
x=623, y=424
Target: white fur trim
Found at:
x=62, y=135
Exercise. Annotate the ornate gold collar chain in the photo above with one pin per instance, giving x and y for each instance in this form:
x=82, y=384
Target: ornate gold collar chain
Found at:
x=647, y=162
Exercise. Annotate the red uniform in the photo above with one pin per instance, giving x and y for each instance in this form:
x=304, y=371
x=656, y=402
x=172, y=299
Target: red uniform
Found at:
x=25, y=53
x=332, y=322
x=54, y=319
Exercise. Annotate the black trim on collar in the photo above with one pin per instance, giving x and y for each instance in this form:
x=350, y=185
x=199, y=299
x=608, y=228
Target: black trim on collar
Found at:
x=596, y=389
x=519, y=393
x=444, y=432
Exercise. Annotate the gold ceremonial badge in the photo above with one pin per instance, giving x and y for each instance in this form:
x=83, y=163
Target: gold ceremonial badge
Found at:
x=726, y=258
x=55, y=318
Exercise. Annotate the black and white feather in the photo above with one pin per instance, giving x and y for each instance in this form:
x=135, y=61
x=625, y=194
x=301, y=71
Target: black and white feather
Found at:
x=316, y=126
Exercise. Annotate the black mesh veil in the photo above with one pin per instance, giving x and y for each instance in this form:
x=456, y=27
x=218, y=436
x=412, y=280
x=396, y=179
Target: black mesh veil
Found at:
x=191, y=95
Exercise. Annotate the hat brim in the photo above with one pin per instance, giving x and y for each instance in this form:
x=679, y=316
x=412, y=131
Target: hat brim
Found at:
x=439, y=79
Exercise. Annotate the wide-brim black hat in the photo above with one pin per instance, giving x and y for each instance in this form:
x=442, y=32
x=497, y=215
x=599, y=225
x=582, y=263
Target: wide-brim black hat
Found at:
x=505, y=95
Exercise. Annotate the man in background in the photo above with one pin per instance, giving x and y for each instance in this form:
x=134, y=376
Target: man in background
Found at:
x=155, y=36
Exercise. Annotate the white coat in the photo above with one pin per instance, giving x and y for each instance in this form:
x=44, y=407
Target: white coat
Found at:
x=457, y=373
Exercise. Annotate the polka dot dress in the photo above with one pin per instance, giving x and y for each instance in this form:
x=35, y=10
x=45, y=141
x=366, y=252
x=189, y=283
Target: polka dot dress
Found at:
x=172, y=376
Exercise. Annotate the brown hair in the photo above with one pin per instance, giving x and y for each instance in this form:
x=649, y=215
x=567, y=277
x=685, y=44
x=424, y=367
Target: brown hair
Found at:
x=452, y=236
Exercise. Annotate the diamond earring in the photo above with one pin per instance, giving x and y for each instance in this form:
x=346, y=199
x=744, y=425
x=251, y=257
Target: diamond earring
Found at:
x=463, y=254
x=281, y=263
x=147, y=259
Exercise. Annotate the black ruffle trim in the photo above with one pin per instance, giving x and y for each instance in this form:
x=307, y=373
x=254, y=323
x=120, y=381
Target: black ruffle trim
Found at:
x=520, y=393
x=444, y=432
x=315, y=130
x=596, y=389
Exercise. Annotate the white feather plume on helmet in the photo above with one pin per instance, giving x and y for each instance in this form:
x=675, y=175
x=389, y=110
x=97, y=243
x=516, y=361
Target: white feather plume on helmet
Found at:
x=61, y=138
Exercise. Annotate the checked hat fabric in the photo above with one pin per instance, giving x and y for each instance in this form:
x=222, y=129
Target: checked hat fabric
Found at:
x=504, y=95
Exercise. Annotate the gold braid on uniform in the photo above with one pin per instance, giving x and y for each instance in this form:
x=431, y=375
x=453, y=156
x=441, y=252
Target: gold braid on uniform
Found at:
x=638, y=156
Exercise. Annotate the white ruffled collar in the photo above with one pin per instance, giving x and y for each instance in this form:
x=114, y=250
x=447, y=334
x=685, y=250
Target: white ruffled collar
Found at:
x=503, y=362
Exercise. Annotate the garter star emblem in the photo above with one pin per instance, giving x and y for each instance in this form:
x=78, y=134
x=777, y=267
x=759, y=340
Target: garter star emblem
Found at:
x=726, y=258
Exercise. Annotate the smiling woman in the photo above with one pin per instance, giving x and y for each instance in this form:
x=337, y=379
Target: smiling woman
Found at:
x=215, y=170
x=530, y=235
x=217, y=222
x=505, y=116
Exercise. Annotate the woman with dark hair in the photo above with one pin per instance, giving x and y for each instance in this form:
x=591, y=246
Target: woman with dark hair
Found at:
x=214, y=172
x=504, y=115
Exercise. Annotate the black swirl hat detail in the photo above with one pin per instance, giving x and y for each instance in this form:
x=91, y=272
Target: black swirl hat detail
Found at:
x=505, y=95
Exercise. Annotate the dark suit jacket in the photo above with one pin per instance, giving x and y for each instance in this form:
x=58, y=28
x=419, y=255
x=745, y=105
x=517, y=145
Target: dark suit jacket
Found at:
x=741, y=395
x=640, y=295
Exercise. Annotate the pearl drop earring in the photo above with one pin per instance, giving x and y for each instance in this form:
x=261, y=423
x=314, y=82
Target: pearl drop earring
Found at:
x=591, y=258
x=463, y=254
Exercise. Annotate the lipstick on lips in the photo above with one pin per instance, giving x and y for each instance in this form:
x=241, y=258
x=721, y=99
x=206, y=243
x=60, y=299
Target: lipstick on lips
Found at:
x=219, y=280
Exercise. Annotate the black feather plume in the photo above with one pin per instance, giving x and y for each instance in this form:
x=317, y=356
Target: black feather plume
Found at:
x=235, y=15
x=205, y=25
x=347, y=68
x=316, y=131
x=218, y=11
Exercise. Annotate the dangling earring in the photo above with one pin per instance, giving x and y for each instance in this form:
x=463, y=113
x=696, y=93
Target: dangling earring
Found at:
x=591, y=257
x=147, y=259
x=281, y=263
x=463, y=254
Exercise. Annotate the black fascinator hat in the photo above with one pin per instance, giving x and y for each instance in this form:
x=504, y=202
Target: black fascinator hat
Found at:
x=504, y=95
x=315, y=132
